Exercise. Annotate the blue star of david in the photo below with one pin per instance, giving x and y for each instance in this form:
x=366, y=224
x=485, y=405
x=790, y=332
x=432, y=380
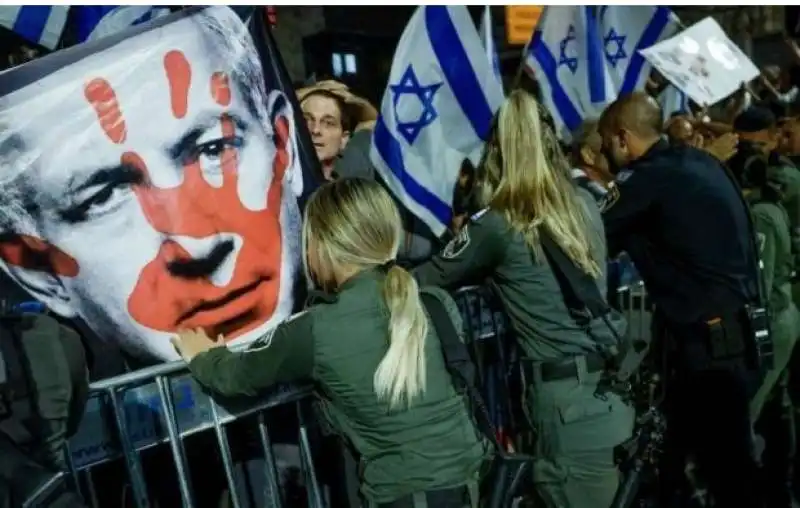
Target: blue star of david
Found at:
x=618, y=54
x=409, y=84
x=563, y=59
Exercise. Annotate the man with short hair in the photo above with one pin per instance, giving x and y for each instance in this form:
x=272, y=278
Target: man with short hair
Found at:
x=686, y=227
x=589, y=164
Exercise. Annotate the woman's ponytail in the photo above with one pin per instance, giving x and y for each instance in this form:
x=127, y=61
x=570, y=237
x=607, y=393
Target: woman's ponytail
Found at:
x=400, y=377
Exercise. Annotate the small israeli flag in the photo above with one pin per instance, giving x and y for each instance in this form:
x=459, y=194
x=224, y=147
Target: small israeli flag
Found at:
x=673, y=101
x=93, y=22
x=39, y=24
x=585, y=56
x=626, y=29
x=436, y=111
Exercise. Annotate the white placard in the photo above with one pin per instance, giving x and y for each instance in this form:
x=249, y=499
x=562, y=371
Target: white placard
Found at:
x=702, y=62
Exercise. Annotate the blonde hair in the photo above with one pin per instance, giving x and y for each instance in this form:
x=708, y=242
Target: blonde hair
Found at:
x=354, y=223
x=524, y=178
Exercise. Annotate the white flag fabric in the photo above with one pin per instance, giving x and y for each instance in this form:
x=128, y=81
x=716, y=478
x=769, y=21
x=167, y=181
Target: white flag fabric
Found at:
x=436, y=111
x=584, y=57
x=487, y=36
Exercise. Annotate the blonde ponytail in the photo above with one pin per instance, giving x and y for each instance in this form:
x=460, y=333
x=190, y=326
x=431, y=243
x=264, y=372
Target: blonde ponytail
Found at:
x=354, y=223
x=401, y=375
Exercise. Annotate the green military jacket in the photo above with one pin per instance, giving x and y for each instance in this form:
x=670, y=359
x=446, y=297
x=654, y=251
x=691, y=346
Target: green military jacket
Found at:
x=488, y=248
x=431, y=445
x=771, y=223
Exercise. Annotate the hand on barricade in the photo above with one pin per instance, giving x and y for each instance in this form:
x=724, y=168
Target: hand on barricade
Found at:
x=190, y=343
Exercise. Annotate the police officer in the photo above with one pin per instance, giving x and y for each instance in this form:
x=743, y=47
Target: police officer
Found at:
x=771, y=407
x=527, y=196
x=371, y=350
x=685, y=225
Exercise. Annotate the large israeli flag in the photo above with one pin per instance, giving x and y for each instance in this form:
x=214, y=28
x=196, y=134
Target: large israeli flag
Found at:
x=93, y=22
x=584, y=57
x=437, y=111
x=39, y=24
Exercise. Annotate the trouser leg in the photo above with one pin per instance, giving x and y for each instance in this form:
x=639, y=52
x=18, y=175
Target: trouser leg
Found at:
x=576, y=435
x=722, y=439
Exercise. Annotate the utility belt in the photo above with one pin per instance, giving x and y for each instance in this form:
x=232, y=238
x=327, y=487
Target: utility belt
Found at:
x=456, y=497
x=570, y=368
x=734, y=336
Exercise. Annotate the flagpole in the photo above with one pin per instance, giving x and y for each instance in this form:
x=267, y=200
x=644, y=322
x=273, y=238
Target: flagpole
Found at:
x=521, y=66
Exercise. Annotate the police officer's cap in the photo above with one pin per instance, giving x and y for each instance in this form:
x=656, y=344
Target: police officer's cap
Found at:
x=754, y=119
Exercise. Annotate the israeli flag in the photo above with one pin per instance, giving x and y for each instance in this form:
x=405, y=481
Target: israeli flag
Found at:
x=585, y=57
x=487, y=36
x=93, y=22
x=673, y=101
x=436, y=111
x=624, y=31
x=561, y=56
x=39, y=24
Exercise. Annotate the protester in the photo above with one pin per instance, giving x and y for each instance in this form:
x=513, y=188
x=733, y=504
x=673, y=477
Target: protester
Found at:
x=333, y=114
x=589, y=164
x=371, y=349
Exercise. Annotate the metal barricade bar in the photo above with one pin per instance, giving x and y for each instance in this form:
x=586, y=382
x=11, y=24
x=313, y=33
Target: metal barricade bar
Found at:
x=162, y=404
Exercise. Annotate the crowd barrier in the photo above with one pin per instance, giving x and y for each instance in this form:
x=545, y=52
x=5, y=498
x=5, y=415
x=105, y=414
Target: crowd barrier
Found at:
x=162, y=405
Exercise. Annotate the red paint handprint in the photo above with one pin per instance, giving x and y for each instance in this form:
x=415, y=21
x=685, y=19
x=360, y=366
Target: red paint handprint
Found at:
x=164, y=299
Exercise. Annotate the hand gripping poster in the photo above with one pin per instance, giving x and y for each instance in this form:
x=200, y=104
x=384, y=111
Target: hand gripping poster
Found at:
x=149, y=182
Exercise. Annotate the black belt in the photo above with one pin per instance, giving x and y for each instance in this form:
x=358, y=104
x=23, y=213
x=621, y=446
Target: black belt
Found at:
x=566, y=369
x=445, y=498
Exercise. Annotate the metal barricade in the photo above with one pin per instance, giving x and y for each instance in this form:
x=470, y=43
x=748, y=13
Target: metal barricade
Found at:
x=484, y=319
x=485, y=327
x=134, y=412
x=138, y=411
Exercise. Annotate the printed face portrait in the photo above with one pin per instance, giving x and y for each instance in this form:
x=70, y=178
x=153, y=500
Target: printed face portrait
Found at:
x=147, y=187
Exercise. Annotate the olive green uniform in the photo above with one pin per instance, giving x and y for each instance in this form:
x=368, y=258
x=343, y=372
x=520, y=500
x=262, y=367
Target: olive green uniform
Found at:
x=772, y=228
x=576, y=431
x=433, y=445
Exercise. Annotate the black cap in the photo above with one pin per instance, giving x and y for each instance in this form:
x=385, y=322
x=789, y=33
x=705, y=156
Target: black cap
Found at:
x=754, y=119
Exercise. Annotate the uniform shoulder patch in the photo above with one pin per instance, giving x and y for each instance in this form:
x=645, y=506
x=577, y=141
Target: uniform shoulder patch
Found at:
x=762, y=241
x=610, y=198
x=479, y=214
x=458, y=244
x=623, y=175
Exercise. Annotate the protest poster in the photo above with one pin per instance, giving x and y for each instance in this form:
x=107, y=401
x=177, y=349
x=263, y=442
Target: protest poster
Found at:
x=702, y=62
x=149, y=181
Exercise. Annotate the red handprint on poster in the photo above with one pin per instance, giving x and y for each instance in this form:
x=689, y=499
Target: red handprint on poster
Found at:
x=166, y=302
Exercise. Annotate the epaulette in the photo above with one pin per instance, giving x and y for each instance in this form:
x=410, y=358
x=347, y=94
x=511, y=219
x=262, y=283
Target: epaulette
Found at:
x=479, y=214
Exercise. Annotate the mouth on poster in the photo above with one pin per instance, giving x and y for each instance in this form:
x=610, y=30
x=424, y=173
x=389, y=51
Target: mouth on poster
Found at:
x=702, y=62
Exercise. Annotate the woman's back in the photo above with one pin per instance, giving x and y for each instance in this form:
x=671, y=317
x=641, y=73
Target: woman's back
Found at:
x=528, y=289
x=431, y=445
